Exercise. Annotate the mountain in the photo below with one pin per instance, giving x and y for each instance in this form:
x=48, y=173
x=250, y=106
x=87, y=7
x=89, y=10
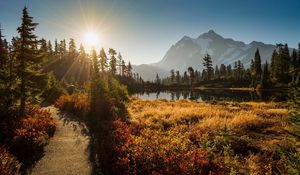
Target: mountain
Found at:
x=190, y=51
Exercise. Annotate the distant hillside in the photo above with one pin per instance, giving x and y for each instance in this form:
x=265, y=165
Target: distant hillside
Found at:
x=189, y=52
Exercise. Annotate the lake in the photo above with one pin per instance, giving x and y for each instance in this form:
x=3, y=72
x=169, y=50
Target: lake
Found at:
x=216, y=94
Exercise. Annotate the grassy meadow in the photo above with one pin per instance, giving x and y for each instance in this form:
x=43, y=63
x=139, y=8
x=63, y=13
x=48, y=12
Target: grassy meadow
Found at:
x=187, y=137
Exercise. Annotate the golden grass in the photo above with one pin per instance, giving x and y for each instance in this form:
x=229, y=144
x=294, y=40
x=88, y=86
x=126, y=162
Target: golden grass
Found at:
x=251, y=130
x=201, y=118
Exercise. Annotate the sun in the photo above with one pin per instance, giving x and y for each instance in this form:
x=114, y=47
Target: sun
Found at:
x=91, y=38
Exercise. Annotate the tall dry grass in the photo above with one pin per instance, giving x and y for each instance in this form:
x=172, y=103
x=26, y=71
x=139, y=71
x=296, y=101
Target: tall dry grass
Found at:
x=241, y=137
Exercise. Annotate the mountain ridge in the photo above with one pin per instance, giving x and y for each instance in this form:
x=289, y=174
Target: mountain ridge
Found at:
x=189, y=51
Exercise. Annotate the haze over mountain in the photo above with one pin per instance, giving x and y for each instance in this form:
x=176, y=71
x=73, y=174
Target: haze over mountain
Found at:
x=190, y=51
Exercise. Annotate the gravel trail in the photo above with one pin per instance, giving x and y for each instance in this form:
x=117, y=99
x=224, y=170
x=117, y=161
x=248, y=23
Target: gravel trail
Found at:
x=68, y=150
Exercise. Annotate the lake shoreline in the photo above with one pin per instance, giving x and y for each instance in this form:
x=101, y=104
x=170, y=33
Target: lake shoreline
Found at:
x=213, y=94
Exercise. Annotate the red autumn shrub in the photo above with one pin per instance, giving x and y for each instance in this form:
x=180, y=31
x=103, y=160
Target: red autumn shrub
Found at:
x=77, y=104
x=32, y=132
x=158, y=152
x=9, y=165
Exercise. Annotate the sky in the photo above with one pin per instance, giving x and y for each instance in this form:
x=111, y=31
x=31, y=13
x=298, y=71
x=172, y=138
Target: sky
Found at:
x=143, y=30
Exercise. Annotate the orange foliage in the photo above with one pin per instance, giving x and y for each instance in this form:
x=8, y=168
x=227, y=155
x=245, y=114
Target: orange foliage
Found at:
x=77, y=104
x=32, y=131
x=145, y=151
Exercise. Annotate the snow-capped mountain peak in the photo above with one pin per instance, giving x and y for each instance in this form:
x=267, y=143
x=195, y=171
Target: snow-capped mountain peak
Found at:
x=190, y=51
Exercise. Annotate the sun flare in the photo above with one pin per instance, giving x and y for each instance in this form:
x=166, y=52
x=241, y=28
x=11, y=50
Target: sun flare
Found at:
x=91, y=38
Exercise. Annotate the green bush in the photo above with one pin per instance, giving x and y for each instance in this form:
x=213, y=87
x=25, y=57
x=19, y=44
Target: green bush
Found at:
x=53, y=90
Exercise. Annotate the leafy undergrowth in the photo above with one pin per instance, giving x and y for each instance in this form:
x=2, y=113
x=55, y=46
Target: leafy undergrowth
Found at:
x=9, y=164
x=77, y=104
x=185, y=137
x=25, y=137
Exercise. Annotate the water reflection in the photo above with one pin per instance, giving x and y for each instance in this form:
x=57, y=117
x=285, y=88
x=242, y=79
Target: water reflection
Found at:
x=218, y=95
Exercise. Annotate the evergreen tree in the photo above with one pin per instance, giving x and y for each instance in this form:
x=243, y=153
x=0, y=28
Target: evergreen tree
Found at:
x=293, y=65
x=229, y=72
x=72, y=46
x=265, y=78
x=129, y=69
x=217, y=72
x=3, y=54
x=113, y=61
x=56, y=47
x=96, y=67
x=191, y=72
x=297, y=67
x=257, y=71
x=207, y=63
x=275, y=69
x=257, y=64
x=63, y=47
x=178, y=77
x=157, y=79
x=283, y=63
x=82, y=54
x=185, y=77
x=30, y=72
x=172, y=72
x=103, y=60
x=123, y=68
x=43, y=48
x=238, y=70
x=49, y=48
x=120, y=59
x=222, y=71
x=235, y=71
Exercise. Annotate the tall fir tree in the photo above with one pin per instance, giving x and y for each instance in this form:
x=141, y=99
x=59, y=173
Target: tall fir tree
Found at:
x=3, y=53
x=95, y=63
x=172, y=75
x=119, y=63
x=103, y=60
x=217, y=72
x=265, y=78
x=207, y=63
x=72, y=46
x=222, y=71
x=63, y=47
x=275, y=65
x=112, y=62
x=257, y=71
x=178, y=77
x=30, y=72
x=56, y=47
x=123, y=69
x=191, y=72
x=43, y=50
x=49, y=48
x=129, y=69
x=157, y=79
x=293, y=65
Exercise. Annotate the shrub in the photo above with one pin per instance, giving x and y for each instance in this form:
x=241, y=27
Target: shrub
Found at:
x=77, y=104
x=9, y=165
x=147, y=151
x=53, y=90
x=32, y=132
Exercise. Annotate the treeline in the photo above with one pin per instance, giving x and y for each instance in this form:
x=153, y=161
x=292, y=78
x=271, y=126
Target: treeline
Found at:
x=69, y=65
x=72, y=66
x=282, y=72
